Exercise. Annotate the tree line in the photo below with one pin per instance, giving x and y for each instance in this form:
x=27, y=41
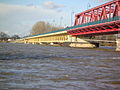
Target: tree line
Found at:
x=6, y=37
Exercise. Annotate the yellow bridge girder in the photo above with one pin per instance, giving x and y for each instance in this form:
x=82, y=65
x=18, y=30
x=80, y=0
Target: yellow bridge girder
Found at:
x=59, y=38
x=48, y=39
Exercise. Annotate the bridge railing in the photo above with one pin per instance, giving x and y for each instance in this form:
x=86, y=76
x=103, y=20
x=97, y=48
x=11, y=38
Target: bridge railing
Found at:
x=117, y=18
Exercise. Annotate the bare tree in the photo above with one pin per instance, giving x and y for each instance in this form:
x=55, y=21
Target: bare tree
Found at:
x=42, y=27
x=14, y=37
x=3, y=36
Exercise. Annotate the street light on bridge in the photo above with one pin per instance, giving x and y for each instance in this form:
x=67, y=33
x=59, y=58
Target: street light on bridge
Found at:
x=61, y=18
x=72, y=13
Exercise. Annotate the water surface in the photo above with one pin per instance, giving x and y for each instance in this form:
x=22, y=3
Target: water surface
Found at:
x=35, y=67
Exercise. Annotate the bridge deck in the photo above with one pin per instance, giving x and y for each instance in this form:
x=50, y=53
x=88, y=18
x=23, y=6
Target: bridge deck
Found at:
x=107, y=26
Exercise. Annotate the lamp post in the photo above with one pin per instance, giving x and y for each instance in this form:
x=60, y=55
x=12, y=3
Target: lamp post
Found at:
x=88, y=5
x=61, y=18
x=72, y=17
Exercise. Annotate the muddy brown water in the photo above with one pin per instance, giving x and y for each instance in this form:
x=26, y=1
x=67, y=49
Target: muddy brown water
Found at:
x=35, y=67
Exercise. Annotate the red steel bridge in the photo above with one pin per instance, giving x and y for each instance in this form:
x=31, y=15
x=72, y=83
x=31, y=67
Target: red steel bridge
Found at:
x=103, y=19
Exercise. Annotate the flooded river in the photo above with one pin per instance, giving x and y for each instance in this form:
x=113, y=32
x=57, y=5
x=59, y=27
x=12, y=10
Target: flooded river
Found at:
x=35, y=67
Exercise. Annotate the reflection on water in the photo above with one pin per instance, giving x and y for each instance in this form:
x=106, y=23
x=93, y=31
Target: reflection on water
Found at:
x=35, y=67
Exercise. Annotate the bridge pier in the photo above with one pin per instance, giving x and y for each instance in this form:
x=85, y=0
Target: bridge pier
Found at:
x=51, y=43
x=117, y=44
x=83, y=45
x=77, y=42
x=40, y=43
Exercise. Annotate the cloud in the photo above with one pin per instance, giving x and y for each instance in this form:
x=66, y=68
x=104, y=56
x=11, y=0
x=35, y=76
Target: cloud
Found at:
x=30, y=5
x=52, y=5
x=102, y=0
x=7, y=8
x=18, y=19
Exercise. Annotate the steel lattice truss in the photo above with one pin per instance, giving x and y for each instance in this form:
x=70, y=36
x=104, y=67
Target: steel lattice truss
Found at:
x=103, y=19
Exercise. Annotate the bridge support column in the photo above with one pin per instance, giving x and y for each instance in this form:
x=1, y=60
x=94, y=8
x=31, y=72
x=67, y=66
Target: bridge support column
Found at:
x=77, y=42
x=51, y=43
x=25, y=41
x=118, y=45
x=40, y=43
x=33, y=42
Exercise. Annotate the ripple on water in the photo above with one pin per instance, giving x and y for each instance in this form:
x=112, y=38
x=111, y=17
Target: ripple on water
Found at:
x=25, y=66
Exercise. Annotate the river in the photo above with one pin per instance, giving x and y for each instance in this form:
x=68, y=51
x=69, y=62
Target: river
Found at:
x=38, y=67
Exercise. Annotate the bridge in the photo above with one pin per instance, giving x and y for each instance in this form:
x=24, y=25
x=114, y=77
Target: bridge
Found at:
x=101, y=20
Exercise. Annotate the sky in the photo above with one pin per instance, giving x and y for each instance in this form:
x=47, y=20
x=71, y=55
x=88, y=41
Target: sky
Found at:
x=19, y=16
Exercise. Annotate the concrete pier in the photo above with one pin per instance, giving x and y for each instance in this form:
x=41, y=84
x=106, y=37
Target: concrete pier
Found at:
x=84, y=45
x=77, y=42
x=117, y=44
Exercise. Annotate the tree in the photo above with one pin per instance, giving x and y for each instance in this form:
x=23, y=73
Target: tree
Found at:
x=14, y=37
x=42, y=27
x=3, y=36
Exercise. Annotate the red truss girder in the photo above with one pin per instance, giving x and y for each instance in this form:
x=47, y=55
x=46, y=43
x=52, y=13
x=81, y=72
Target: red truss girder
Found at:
x=103, y=28
x=105, y=11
